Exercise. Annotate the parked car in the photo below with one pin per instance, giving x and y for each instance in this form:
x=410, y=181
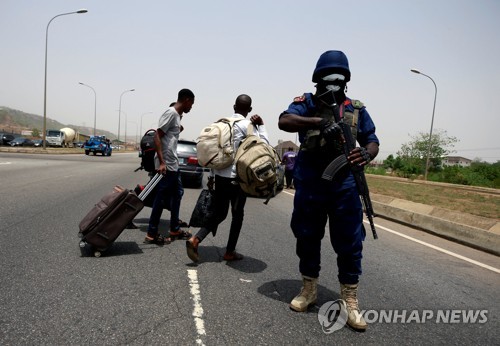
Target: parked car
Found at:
x=21, y=142
x=6, y=138
x=190, y=170
x=38, y=143
x=79, y=144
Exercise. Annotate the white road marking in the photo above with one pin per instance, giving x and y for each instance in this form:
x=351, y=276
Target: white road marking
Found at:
x=5, y=163
x=197, y=308
x=463, y=258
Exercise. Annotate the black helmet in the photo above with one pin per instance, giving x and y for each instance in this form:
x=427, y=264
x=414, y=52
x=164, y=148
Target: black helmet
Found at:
x=330, y=62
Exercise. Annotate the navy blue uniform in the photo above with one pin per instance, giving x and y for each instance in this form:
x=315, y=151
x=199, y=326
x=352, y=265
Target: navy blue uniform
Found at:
x=317, y=200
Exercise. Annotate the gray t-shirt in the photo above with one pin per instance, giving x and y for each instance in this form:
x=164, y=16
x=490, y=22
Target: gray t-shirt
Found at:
x=170, y=124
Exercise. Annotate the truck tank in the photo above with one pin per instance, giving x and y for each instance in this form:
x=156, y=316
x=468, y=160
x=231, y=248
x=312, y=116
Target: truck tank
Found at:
x=69, y=136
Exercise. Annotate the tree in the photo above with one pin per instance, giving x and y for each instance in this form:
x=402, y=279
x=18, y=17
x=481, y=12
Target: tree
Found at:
x=35, y=132
x=414, y=153
x=389, y=162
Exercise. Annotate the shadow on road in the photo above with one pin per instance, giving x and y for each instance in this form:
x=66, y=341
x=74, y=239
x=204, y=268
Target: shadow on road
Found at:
x=118, y=248
x=215, y=254
x=285, y=290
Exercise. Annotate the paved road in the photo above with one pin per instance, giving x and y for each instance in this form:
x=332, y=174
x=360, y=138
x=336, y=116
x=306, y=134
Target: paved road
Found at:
x=143, y=294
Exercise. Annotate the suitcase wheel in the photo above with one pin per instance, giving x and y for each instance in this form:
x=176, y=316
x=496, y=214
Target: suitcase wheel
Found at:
x=97, y=253
x=82, y=245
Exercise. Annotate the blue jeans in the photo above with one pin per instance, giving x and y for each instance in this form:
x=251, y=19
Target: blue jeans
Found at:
x=169, y=187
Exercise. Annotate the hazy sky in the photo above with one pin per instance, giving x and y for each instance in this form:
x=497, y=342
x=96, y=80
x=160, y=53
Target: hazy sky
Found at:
x=267, y=49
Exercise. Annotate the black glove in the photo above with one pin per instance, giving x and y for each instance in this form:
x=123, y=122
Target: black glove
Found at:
x=330, y=130
x=365, y=155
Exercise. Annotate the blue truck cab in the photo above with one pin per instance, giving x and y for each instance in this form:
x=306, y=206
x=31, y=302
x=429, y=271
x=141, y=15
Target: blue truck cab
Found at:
x=98, y=144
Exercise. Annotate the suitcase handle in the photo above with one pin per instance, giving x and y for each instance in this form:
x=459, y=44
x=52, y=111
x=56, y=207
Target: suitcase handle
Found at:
x=150, y=186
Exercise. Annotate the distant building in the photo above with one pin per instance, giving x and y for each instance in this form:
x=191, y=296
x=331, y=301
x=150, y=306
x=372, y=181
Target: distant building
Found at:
x=283, y=146
x=456, y=161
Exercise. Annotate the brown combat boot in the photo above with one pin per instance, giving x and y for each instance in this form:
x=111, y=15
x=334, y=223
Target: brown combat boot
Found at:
x=349, y=293
x=307, y=295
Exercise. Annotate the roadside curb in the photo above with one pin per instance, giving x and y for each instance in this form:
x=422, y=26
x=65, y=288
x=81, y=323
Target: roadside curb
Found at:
x=29, y=150
x=52, y=151
x=478, y=232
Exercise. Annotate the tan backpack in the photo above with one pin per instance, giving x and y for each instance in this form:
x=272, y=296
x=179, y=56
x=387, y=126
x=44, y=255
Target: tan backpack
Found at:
x=215, y=144
x=256, y=166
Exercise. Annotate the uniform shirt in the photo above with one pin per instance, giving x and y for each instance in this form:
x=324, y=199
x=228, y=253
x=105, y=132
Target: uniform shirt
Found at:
x=169, y=123
x=307, y=108
x=239, y=133
x=310, y=166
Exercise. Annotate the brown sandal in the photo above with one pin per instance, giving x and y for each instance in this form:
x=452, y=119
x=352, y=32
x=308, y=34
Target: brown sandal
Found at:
x=192, y=251
x=164, y=240
x=180, y=235
x=157, y=240
x=232, y=256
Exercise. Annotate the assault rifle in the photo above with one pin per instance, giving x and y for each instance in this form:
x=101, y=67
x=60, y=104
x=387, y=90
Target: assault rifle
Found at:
x=341, y=162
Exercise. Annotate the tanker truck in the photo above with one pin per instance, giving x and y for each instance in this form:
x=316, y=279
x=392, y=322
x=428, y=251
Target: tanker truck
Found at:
x=69, y=137
x=61, y=138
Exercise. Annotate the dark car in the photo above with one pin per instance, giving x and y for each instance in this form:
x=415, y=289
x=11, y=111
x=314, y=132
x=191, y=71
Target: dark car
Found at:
x=38, y=143
x=191, y=171
x=6, y=138
x=21, y=142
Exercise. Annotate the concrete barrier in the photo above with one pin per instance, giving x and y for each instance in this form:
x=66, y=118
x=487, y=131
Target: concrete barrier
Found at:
x=478, y=232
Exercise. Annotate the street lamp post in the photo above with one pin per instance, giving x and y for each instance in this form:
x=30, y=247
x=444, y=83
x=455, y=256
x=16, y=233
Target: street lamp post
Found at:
x=142, y=116
x=95, y=103
x=432, y=121
x=45, y=79
x=126, y=121
x=120, y=114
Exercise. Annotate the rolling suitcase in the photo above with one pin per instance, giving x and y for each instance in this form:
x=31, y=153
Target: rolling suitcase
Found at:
x=111, y=215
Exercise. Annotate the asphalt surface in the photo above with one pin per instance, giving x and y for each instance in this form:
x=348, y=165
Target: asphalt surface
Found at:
x=143, y=294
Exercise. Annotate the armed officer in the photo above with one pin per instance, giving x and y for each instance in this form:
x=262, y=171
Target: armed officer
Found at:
x=316, y=199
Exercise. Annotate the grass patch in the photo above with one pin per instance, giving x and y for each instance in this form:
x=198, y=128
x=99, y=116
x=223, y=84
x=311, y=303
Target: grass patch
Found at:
x=480, y=203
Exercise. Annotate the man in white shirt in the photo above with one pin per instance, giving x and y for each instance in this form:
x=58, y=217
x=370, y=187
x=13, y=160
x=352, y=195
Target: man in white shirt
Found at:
x=227, y=189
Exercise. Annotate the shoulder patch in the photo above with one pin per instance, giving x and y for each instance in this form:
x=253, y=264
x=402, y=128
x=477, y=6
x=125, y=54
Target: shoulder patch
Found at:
x=357, y=104
x=301, y=98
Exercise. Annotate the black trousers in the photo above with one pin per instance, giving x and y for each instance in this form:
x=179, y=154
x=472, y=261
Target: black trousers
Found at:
x=289, y=177
x=227, y=193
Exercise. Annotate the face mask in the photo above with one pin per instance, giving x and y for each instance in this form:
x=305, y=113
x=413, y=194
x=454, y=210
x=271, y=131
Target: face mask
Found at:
x=334, y=82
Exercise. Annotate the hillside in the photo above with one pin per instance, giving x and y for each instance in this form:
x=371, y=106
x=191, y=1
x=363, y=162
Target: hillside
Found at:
x=14, y=121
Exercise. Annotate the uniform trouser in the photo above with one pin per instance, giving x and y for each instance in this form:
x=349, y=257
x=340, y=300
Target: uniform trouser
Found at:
x=227, y=191
x=169, y=187
x=313, y=205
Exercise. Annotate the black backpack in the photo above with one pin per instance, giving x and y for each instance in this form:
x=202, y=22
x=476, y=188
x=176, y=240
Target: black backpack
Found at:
x=148, y=151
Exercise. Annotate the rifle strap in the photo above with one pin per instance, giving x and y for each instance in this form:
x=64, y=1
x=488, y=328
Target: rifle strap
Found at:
x=351, y=118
